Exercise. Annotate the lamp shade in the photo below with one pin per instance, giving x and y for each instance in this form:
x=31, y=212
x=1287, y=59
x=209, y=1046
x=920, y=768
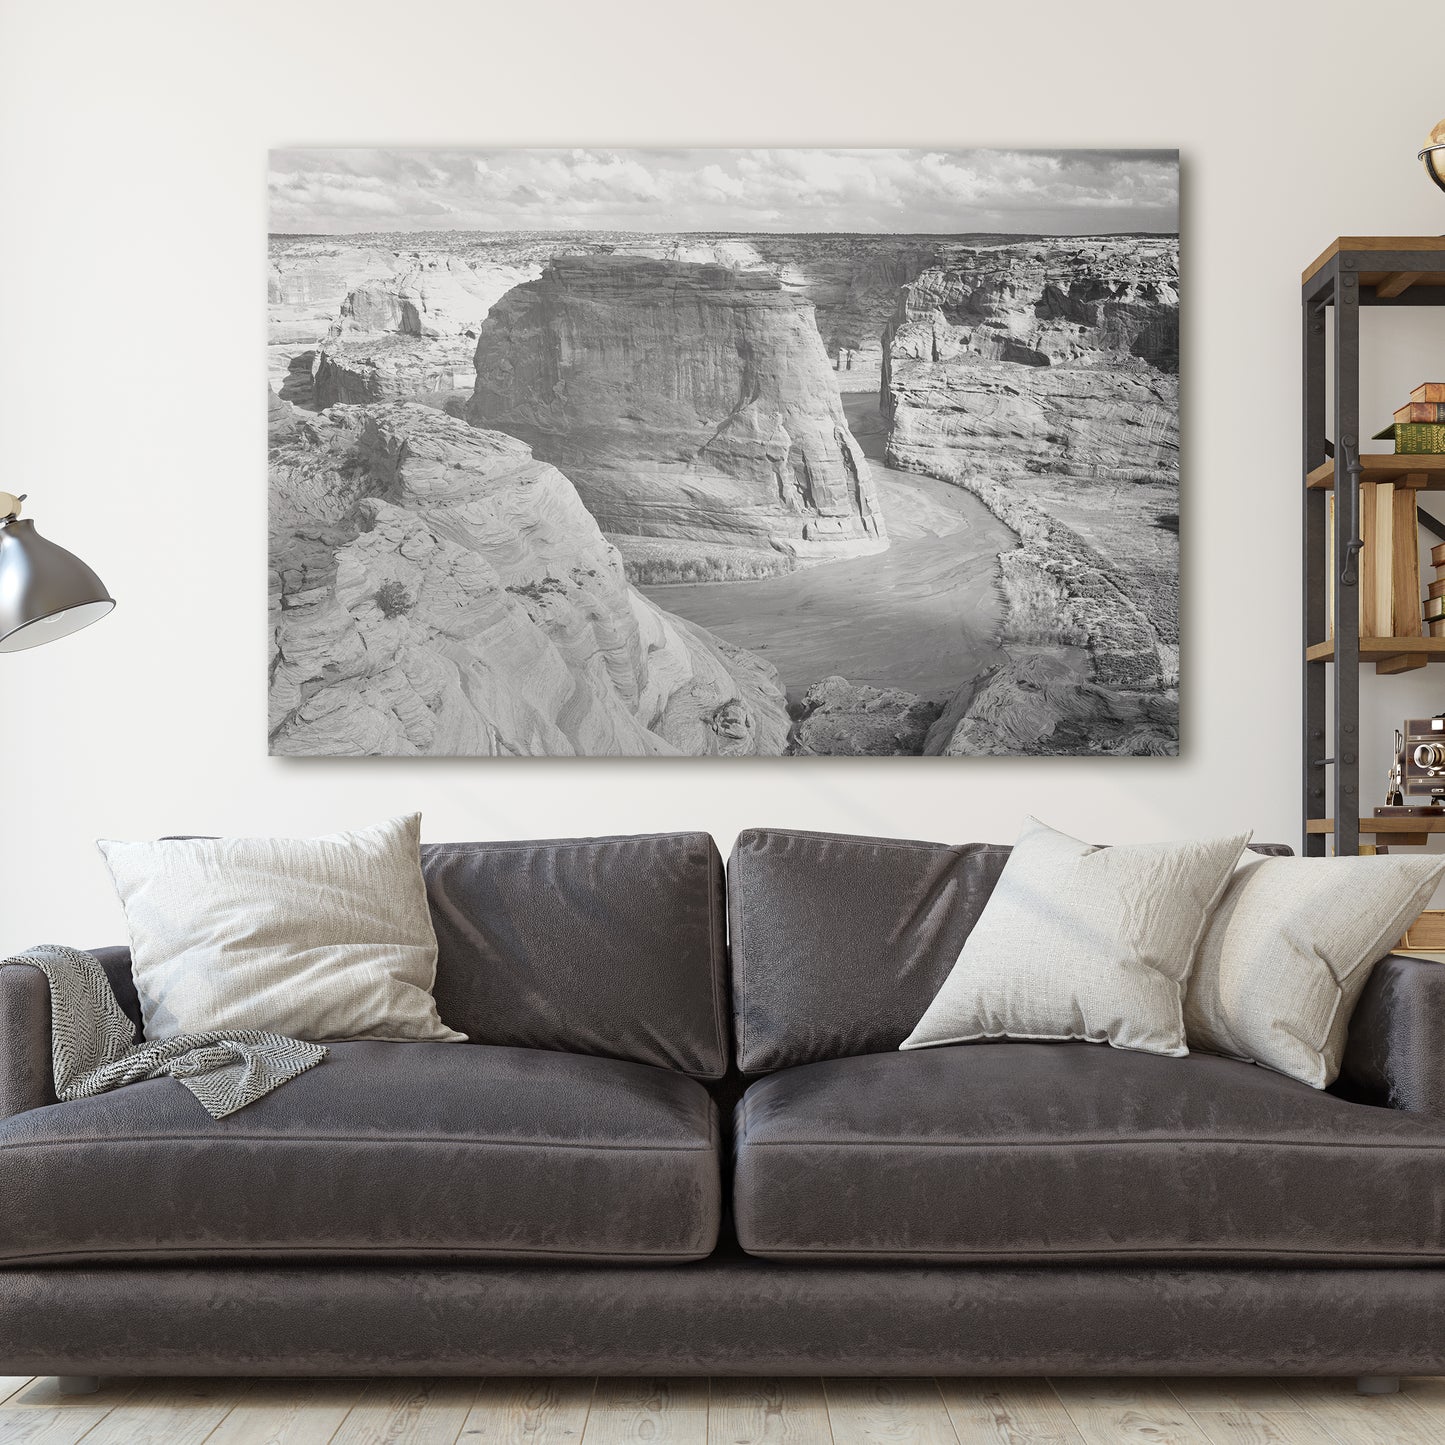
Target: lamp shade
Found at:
x=1434, y=155
x=45, y=591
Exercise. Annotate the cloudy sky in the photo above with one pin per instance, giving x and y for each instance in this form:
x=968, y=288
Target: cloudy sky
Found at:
x=1080, y=192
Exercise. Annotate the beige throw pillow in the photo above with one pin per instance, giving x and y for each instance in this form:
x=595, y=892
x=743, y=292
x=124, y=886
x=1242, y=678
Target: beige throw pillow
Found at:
x=314, y=938
x=1082, y=942
x=1289, y=951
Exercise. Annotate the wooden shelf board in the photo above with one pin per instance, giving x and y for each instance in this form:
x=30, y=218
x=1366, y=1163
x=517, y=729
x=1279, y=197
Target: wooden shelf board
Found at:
x=1364, y=244
x=1395, y=826
x=1384, y=649
x=1423, y=473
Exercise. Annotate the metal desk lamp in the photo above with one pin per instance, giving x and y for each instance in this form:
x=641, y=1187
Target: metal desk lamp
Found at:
x=45, y=591
x=1434, y=155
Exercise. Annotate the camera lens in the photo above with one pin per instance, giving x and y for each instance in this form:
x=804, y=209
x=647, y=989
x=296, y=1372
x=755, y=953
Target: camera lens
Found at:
x=1430, y=756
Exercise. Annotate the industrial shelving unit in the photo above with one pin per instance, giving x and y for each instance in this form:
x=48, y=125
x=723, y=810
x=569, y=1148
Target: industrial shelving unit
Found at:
x=1354, y=271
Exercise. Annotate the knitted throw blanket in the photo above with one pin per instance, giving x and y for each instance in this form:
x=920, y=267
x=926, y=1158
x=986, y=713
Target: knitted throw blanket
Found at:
x=92, y=1048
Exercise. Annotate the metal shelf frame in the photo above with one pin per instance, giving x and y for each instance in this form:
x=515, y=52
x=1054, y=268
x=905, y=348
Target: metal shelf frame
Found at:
x=1343, y=281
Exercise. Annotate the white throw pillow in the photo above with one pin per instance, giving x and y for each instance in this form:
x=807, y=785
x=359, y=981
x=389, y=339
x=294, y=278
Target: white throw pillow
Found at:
x=1082, y=942
x=314, y=938
x=1289, y=951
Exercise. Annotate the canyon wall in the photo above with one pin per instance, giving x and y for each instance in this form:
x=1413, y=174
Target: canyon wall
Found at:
x=437, y=590
x=693, y=407
x=1043, y=377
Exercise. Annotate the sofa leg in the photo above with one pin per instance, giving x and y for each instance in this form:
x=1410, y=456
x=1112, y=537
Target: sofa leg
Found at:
x=1377, y=1384
x=77, y=1384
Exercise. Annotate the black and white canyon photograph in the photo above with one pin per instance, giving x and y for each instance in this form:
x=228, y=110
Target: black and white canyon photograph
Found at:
x=622, y=453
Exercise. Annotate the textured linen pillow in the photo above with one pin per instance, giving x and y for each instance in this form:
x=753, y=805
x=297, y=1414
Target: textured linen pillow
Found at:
x=1289, y=951
x=314, y=938
x=1081, y=942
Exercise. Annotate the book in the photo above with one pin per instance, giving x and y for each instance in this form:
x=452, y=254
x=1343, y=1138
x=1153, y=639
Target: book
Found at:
x=1404, y=566
x=1437, y=589
x=1427, y=411
x=1437, y=555
x=1385, y=561
x=1414, y=438
x=1437, y=628
x=1429, y=391
x=1368, y=562
x=1434, y=607
x=1427, y=933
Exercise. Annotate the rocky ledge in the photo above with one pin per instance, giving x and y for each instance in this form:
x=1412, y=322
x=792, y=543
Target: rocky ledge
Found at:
x=437, y=590
x=686, y=401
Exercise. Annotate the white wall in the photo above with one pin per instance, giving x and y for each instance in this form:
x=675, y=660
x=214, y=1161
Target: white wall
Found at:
x=133, y=142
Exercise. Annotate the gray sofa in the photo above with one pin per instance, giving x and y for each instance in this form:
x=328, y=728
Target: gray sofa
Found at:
x=658, y=1155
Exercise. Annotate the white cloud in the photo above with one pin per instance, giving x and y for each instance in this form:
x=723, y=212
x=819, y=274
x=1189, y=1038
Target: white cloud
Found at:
x=721, y=190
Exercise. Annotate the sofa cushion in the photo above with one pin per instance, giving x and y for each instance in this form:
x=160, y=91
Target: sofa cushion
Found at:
x=1075, y=1152
x=839, y=943
x=607, y=946
x=386, y=1150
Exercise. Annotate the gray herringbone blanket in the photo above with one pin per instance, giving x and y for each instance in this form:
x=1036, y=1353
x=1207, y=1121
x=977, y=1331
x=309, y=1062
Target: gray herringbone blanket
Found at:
x=92, y=1046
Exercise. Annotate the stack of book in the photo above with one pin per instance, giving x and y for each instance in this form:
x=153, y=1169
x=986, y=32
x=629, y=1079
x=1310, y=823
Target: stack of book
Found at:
x=1435, y=598
x=1419, y=425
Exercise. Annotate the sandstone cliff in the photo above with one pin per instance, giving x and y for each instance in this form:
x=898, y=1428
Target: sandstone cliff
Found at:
x=1042, y=376
x=437, y=590
x=1058, y=356
x=686, y=402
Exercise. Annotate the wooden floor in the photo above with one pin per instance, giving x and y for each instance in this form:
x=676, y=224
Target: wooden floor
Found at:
x=722, y=1412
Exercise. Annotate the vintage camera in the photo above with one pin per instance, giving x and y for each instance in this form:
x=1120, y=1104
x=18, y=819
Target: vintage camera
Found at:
x=1418, y=774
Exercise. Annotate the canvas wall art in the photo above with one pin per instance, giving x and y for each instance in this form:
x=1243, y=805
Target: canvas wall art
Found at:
x=658, y=453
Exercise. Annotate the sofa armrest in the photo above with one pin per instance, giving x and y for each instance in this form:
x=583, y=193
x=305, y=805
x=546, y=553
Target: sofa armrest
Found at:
x=26, y=1081
x=1395, y=1053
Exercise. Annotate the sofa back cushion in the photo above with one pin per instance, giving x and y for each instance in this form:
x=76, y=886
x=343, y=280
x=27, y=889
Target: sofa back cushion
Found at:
x=607, y=946
x=840, y=943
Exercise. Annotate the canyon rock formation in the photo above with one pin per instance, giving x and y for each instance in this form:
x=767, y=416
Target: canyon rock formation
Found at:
x=844, y=719
x=687, y=402
x=1043, y=377
x=437, y=590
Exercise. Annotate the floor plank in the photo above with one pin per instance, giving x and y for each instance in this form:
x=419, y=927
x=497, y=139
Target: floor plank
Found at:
x=1007, y=1412
x=288, y=1412
x=1140, y=1412
x=751, y=1412
x=10, y=1384
x=528, y=1412
x=1263, y=1427
x=652, y=1410
x=48, y=1427
x=1224, y=1394
x=166, y=1412
x=886, y=1412
x=408, y=1412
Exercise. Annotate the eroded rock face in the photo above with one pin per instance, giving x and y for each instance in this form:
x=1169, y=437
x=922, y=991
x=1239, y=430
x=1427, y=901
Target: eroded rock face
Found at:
x=435, y=298
x=844, y=719
x=438, y=590
x=391, y=367
x=381, y=323
x=1043, y=377
x=1058, y=356
x=685, y=401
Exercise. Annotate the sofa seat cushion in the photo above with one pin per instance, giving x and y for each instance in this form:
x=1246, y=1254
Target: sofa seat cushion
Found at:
x=1077, y=1152
x=386, y=1150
